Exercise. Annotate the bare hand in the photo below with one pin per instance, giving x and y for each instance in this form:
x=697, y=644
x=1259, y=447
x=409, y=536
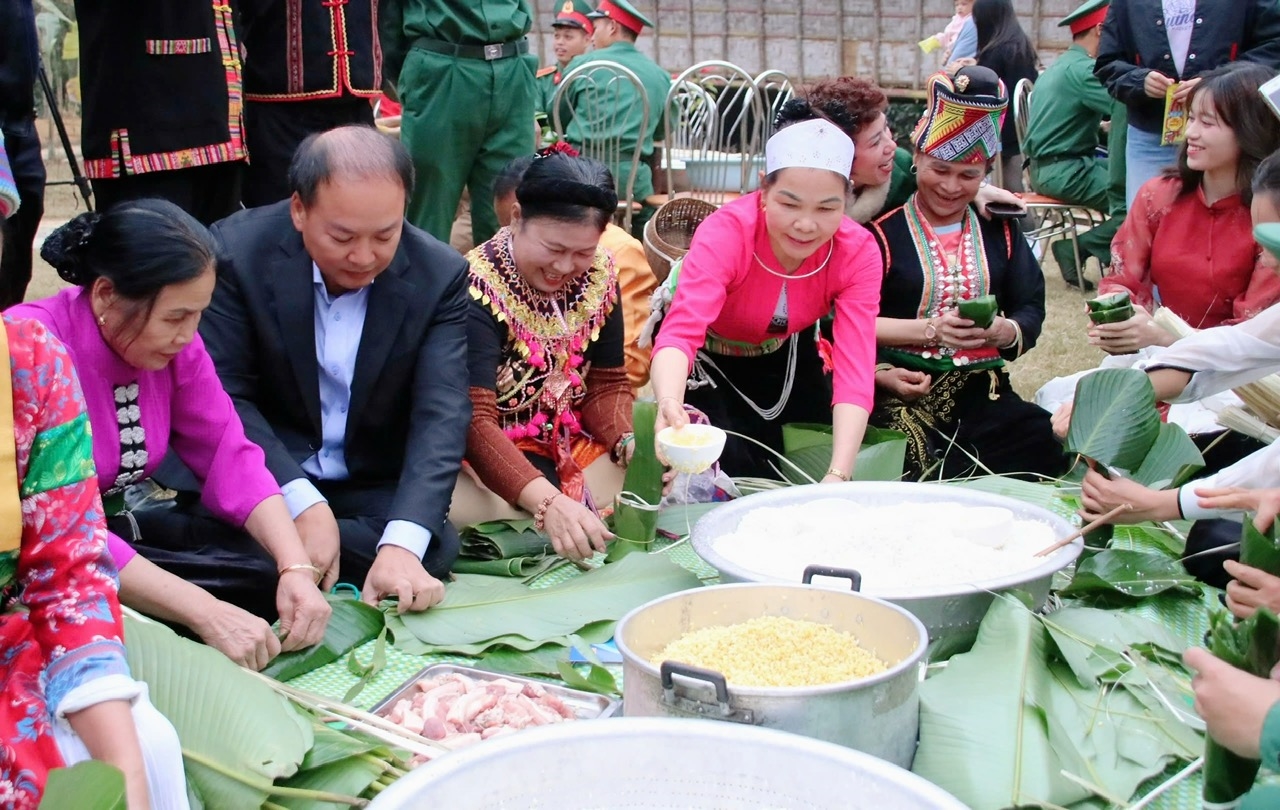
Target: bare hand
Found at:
x=576, y=532
x=994, y=194
x=1155, y=84
x=959, y=333
x=671, y=413
x=1061, y=420
x=1250, y=589
x=1232, y=703
x=304, y=613
x=905, y=384
x=1184, y=89
x=1127, y=337
x=398, y=572
x=1264, y=503
x=1000, y=333
x=318, y=529
x=1100, y=495
x=239, y=635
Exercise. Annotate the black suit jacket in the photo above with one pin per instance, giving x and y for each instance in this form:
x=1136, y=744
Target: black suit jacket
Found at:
x=410, y=408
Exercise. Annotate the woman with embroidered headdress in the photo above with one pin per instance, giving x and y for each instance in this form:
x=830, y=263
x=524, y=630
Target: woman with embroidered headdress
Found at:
x=882, y=177
x=941, y=379
x=551, y=425
x=738, y=338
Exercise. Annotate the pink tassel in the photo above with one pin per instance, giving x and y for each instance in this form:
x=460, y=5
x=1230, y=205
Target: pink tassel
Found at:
x=827, y=352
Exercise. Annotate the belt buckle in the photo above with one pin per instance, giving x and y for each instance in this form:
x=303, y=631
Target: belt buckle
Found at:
x=492, y=52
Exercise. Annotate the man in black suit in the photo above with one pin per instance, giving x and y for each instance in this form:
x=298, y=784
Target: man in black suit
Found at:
x=339, y=331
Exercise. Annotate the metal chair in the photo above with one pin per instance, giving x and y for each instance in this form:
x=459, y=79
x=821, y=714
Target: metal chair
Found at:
x=774, y=89
x=714, y=117
x=594, y=110
x=1057, y=218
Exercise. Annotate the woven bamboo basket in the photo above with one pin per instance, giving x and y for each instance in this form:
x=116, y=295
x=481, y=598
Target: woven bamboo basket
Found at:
x=669, y=233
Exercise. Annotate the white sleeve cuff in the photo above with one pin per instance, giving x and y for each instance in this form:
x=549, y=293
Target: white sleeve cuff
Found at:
x=299, y=496
x=99, y=690
x=1189, y=503
x=407, y=535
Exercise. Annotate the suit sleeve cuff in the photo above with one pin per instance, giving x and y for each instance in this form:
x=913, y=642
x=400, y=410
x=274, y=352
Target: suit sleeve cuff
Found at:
x=407, y=535
x=300, y=495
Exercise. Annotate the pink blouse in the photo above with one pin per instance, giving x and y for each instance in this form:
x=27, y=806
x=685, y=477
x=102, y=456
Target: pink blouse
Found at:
x=183, y=405
x=723, y=288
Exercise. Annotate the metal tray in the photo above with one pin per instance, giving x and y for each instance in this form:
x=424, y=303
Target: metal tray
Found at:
x=585, y=705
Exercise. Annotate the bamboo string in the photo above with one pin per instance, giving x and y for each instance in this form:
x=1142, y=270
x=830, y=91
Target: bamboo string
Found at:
x=1083, y=530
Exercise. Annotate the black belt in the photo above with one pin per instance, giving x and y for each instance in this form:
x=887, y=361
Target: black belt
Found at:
x=497, y=50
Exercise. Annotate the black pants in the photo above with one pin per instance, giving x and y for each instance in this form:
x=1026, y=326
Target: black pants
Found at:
x=762, y=379
x=207, y=193
x=22, y=145
x=1210, y=543
x=273, y=130
x=190, y=542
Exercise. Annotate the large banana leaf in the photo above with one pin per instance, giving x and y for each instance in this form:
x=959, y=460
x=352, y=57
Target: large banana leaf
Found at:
x=352, y=624
x=346, y=777
x=1045, y=494
x=481, y=610
x=1114, y=420
x=1171, y=461
x=1130, y=574
x=90, y=785
x=503, y=539
x=1003, y=722
x=238, y=736
x=808, y=446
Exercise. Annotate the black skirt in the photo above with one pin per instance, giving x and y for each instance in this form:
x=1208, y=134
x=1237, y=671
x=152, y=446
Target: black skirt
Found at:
x=761, y=380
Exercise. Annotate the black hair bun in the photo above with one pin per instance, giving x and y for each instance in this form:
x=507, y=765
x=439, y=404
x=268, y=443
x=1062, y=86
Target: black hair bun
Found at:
x=65, y=249
x=794, y=111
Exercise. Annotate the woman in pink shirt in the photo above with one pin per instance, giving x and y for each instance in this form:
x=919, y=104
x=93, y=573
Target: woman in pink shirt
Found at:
x=740, y=340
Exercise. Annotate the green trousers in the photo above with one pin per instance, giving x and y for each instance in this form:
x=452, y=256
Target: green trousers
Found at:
x=463, y=120
x=1079, y=181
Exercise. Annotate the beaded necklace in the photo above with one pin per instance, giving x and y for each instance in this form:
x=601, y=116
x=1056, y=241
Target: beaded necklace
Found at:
x=540, y=376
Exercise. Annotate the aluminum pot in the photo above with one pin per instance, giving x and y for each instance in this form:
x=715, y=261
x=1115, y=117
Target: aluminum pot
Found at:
x=950, y=613
x=879, y=715
x=660, y=763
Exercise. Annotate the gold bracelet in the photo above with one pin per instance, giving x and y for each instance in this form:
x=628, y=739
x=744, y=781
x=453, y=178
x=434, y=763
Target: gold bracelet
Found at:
x=843, y=476
x=884, y=367
x=931, y=332
x=316, y=573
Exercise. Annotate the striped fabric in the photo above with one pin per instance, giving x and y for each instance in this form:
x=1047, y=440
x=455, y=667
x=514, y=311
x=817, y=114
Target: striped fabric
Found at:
x=8, y=189
x=178, y=47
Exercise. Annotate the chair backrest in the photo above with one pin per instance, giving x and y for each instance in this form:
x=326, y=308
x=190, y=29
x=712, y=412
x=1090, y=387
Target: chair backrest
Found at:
x=1021, y=109
x=714, y=118
x=599, y=107
x=774, y=89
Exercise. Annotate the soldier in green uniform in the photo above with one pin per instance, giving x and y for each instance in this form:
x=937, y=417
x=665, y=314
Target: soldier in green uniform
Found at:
x=465, y=78
x=1067, y=108
x=617, y=25
x=573, y=30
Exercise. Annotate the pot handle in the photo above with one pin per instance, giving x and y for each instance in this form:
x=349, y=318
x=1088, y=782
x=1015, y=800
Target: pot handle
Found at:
x=669, y=669
x=811, y=571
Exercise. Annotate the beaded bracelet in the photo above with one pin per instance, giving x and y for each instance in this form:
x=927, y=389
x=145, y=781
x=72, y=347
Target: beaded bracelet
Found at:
x=540, y=514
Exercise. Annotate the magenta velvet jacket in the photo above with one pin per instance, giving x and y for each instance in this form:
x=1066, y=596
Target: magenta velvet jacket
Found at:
x=182, y=406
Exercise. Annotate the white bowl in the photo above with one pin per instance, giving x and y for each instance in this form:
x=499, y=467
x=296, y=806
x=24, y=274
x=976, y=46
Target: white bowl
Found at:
x=692, y=448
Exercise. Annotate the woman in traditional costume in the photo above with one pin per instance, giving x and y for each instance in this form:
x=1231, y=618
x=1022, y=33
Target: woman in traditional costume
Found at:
x=881, y=176
x=67, y=695
x=1186, y=243
x=739, y=340
x=144, y=273
x=941, y=379
x=551, y=425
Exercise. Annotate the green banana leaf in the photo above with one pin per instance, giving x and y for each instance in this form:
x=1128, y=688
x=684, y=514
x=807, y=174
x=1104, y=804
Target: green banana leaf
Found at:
x=1045, y=494
x=1171, y=461
x=679, y=519
x=1129, y=574
x=489, y=610
x=1114, y=420
x=1002, y=722
x=503, y=539
x=507, y=567
x=353, y=623
x=351, y=776
x=90, y=785
x=331, y=746
x=808, y=446
x=1249, y=645
x=1260, y=550
x=544, y=659
x=238, y=736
